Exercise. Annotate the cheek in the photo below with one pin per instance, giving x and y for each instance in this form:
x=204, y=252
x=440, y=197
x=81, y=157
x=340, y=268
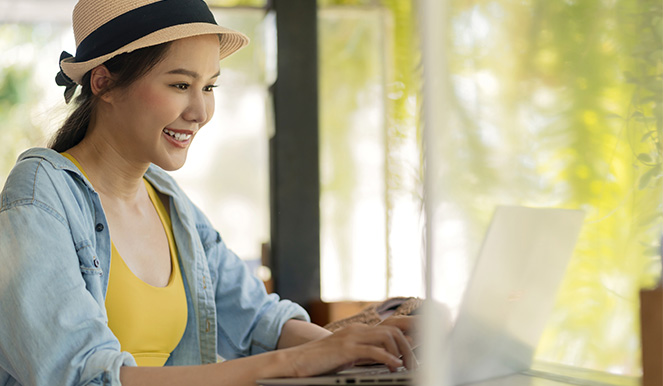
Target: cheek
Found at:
x=157, y=104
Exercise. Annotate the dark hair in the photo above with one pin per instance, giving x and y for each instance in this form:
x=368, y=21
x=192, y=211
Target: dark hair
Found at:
x=126, y=68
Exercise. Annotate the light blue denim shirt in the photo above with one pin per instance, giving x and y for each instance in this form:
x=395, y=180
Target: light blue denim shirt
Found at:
x=54, y=264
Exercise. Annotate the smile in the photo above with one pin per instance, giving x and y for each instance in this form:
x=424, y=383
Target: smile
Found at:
x=177, y=136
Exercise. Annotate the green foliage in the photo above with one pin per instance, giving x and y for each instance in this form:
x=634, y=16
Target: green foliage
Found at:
x=559, y=103
x=358, y=54
x=553, y=103
x=13, y=90
x=16, y=129
x=25, y=48
x=16, y=102
x=350, y=71
x=645, y=72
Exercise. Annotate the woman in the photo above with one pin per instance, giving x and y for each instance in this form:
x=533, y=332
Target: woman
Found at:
x=106, y=262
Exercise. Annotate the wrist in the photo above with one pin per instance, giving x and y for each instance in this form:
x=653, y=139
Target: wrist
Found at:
x=281, y=364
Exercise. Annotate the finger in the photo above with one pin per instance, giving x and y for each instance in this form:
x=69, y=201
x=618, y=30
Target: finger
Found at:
x=410, y=327
x=379, y=355
x=405, y=350
x=393, y=340
x=386, y=337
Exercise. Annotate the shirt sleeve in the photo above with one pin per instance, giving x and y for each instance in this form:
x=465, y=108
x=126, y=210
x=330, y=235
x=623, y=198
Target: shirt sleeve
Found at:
x=249, y=320
x=52, y=330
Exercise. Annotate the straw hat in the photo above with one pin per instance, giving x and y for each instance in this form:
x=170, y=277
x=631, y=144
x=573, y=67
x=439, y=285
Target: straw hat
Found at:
x=107, y=28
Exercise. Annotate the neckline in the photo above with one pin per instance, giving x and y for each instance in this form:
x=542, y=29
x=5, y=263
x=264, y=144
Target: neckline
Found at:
x=160, y=208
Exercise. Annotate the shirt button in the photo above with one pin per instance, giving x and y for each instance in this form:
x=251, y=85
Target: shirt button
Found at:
x=96, y=262
x=99, y=227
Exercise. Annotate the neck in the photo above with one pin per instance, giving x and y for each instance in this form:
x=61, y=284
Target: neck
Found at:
x=112, y=174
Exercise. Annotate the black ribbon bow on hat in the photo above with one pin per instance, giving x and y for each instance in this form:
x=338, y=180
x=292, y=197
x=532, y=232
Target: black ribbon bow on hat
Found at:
x=63, y=80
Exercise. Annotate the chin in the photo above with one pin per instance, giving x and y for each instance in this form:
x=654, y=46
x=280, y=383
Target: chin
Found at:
x=171, y=168
x=171, y=165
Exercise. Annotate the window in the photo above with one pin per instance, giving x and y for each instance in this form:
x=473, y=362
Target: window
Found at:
x=555, y=104
x=371, y=173
x=545, y=103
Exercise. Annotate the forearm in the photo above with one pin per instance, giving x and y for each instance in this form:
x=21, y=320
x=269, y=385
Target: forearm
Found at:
x=296, y=332
x=323, y=353
x=243, y=371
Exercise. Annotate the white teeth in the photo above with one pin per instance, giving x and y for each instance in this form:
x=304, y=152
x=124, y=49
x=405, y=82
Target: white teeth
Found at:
x=177, y=136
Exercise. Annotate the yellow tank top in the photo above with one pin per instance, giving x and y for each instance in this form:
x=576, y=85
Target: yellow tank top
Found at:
x=148, y=321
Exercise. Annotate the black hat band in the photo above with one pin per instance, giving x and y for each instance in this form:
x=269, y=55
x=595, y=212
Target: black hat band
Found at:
x=141, y=22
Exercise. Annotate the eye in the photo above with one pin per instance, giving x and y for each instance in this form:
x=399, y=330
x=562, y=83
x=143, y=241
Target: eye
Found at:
x=181, y=86
x=210, y=88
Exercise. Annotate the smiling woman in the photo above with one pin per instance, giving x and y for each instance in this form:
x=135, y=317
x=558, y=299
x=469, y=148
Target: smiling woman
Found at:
x=111, y=264
x=175, y=95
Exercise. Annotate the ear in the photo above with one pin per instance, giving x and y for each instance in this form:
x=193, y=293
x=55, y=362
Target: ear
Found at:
x=100, y=81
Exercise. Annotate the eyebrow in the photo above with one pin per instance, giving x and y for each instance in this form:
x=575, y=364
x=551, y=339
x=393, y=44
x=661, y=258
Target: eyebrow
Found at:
x=192, y=74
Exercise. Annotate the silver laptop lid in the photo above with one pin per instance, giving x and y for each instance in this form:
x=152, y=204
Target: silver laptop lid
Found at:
x=511, y=291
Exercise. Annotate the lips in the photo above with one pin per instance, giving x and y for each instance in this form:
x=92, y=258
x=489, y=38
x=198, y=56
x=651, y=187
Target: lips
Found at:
x=178, y=136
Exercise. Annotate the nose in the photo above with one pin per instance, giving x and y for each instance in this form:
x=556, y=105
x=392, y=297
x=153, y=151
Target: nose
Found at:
x=198, y=109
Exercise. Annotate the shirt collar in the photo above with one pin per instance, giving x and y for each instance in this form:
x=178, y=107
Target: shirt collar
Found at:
x=159, y=179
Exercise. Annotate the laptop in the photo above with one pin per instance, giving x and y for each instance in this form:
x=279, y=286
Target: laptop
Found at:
x=504, y=310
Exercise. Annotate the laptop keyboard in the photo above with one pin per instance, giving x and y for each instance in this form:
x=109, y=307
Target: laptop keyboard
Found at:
x=380, y=377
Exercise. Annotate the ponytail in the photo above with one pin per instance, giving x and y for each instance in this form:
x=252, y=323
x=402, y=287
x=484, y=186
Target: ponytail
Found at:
x=75, y=127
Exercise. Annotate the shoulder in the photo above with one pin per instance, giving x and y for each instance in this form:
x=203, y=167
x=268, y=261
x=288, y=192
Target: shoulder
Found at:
x=42, y=177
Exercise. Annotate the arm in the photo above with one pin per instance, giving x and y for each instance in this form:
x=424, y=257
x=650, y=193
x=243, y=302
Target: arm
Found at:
x=249, y=320
x=296, y=332
x=243, y=371
x=382, y=344
x=52, y=330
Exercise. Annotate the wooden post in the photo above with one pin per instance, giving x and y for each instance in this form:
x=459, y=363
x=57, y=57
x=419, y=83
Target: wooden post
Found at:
x=651, y=323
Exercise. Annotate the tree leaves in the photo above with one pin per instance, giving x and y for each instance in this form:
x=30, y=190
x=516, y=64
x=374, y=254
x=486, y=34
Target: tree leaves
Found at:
x=653, y=173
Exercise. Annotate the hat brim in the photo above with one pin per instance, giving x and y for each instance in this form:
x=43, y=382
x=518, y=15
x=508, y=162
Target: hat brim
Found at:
x=231, y=41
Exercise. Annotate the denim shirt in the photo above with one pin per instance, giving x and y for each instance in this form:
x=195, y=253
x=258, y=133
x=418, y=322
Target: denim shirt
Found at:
x=54, y=264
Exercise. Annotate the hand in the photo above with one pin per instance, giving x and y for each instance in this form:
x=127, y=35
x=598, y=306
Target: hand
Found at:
x=381, y=344
x=408, y=326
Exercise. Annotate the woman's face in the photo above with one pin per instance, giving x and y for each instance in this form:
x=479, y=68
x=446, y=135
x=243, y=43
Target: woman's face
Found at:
x=155, y=119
